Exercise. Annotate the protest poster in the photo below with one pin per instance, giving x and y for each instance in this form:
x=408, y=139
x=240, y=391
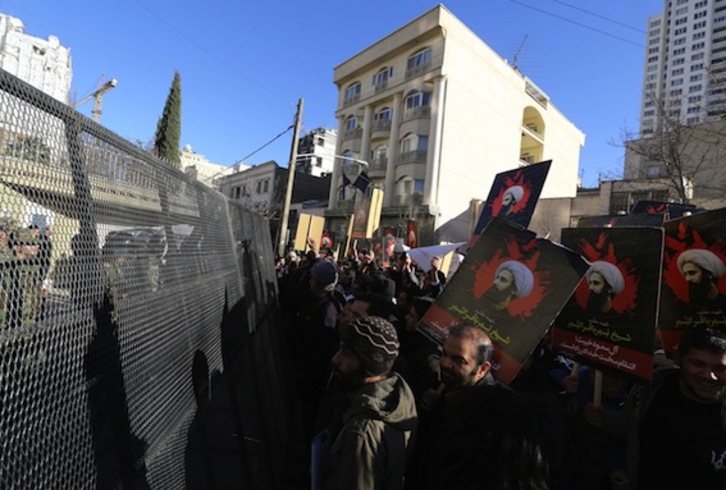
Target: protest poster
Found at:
x=610, y=320
x=693, y=291
x=669, y=209
x=367, y=215
x=308, y=226
x=512, y=285
x=513, y=196
x=411, y=234
x=622, y=220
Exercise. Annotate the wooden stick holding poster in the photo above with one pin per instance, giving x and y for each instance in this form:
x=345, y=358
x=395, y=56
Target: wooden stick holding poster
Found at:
x=540, y=278
x=610, y=320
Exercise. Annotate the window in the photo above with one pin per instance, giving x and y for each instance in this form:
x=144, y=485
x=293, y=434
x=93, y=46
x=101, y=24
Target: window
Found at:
x=407, y=143
x=697, y=67
x=676, y=82
x=320, y=141
x=681, y=21
x=653, y=50
x=653, y=41
x=695, y=78
x=679, y=31
x=236, y=192
x=383, y=115
x=652, y=68
x=697, y=46
x=351, y=123
x=651, y=59
x=694, y=88
x=423, y=143
x=692, y=120
x=382, y=76
x=679, y=51
x=681, y=10
x=697, y=56
x=417, y=99
x=265, y=185
x=699, y=25
x=700, y=15
x=418, y=186
x=259, y=187
x=694, y=99
x=419, y=58
x=676, y=72
x=679, y=61
x=699, y=35
x=353, y=91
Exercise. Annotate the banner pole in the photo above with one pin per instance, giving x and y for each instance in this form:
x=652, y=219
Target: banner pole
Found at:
x=597, y=395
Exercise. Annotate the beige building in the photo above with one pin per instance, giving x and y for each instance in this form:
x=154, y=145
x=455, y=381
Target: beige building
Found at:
x=208, y=173
x=436, y=114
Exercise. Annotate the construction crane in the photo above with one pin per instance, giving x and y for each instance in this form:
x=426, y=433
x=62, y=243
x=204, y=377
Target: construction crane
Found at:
x=97, y=97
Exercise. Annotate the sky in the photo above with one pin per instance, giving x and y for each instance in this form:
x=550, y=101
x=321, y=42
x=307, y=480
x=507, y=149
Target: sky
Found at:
x=245, y=64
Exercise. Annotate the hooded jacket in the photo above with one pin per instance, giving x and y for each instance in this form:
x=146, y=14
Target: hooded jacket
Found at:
x=371, y=449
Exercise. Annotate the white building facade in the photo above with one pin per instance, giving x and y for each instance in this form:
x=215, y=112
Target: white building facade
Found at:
x=316, y=152
x=685, y=64
x=44, y=64
x=436, y=114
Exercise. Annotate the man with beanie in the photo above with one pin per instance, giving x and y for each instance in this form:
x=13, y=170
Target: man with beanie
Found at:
x=370, y=449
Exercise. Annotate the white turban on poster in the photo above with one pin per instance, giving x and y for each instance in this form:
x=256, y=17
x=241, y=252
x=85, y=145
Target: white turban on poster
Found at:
x=523, y=277
x=610, y=273
x=516, y=191
x=703, y=258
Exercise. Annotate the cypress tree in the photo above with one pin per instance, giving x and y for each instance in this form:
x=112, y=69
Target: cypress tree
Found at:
x=168, y=130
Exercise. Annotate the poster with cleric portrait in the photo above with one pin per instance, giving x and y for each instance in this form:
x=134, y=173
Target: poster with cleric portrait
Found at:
x=610, y=320
x=512, y=285
x=693, y=292
x=513, y=196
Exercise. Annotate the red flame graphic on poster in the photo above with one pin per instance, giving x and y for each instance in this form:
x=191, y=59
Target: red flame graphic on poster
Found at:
x=604, y=250
x=515, y=182
x=687, y=238
x=528, y=254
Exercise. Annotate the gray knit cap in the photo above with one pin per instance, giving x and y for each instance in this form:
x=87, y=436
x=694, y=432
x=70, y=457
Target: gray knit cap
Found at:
x=374, y=340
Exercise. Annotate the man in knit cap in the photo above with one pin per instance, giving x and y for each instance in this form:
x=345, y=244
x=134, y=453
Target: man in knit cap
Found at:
x=512, y=280
x=605, y=281
x=701, y=268
x=370, y=448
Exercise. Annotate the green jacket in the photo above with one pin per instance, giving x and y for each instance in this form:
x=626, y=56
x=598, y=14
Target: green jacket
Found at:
x=371, y=450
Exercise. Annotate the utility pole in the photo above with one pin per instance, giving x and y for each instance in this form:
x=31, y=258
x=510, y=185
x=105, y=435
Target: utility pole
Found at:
x=290, y=181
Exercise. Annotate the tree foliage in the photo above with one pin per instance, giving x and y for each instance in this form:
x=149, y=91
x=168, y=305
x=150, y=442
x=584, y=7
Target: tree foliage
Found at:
x=168, y=130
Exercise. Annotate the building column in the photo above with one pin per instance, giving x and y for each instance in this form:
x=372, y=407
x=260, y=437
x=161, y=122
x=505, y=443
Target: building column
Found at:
x=389, y=195
x=365, y=140
x=433, y=160
x=337, y=169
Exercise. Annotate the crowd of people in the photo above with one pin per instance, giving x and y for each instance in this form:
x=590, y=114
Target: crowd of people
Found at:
x=383, y=406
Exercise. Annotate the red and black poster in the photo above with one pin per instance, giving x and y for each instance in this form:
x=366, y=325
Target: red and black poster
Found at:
x=513, y=196
x=610, y=320
x=512, y=286
x=693, y=293
x=389, y=242
x=669, y=209
x=411, y=234
x=360, y=218
x=327, y=241
x=644, y=220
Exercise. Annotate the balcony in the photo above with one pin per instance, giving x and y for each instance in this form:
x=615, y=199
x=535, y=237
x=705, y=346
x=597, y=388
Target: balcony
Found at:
x=351, y=100
x=418, y=156
x=417, y=70
x=381, y=125
x=421, y=112
x=345, y=205
x=409, y=200
x=352, y=133
x=378, y=166
x=380, y=87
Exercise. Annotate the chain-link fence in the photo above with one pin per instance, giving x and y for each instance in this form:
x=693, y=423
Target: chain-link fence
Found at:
x=124, y=287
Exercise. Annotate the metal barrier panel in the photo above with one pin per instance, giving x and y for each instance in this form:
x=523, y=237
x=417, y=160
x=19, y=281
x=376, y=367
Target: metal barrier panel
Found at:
x=115, y=271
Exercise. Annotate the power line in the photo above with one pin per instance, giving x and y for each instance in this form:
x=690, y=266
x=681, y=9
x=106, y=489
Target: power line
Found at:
x=210, y=54
x=578, y=24
x=588, y=12
x=256, y=151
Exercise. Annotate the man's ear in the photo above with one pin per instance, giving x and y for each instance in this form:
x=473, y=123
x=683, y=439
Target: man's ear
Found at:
x=483, y=370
